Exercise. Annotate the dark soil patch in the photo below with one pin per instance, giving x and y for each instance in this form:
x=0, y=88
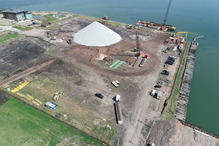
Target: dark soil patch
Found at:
x=20, y=53
x=3, y=97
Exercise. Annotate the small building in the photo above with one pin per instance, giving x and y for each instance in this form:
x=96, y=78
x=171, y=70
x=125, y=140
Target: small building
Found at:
x=17, y=14
x=45, y=24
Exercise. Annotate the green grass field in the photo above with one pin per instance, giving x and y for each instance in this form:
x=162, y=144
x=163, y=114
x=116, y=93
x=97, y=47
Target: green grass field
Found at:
x=22, y=28
x=5, y=37
x=24, y=125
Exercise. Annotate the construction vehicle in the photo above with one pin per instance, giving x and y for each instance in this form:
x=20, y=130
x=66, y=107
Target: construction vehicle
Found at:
x=53, y=38
x=57, y=95
x=69, y=41
x=130, y=27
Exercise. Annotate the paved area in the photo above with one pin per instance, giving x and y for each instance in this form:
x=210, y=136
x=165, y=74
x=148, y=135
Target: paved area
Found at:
x=10, y=28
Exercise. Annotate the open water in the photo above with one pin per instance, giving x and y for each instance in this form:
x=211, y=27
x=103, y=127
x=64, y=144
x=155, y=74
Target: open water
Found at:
x=198, y=16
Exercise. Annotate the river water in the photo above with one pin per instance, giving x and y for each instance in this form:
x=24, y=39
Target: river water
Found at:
x=197, y=16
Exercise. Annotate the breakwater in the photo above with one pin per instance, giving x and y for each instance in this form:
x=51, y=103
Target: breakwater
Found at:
x=183, y=99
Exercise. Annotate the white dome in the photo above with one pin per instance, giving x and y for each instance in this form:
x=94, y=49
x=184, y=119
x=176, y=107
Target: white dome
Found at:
x=96, y=34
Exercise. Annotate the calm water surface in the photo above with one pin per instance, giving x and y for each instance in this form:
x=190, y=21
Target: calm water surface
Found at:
x=188, y=15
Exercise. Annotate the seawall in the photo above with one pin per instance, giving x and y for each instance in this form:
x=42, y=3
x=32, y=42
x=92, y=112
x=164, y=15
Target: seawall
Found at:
x=183, y=99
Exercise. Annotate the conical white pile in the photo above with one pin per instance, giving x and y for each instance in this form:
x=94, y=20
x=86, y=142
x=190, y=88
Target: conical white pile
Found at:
x=96, y=34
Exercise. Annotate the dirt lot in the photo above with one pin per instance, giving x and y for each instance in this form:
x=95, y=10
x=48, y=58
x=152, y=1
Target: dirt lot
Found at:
x=82, y=71
x=173, y=133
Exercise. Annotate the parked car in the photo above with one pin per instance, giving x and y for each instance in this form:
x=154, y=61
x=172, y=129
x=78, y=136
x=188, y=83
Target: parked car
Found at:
x=165, y=72
x=157, y=86
x=99, y=95
x=170, y=60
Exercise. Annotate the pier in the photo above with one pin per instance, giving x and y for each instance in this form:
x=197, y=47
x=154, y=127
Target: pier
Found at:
x=183, y=99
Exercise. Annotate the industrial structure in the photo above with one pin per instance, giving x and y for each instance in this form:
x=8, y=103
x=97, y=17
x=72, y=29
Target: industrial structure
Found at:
x=17, y=14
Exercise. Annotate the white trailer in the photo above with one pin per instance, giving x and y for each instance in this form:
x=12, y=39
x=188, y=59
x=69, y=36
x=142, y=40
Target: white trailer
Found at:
x=115, y=83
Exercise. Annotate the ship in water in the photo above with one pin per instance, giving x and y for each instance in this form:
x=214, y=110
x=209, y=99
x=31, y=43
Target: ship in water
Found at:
x=156, y=25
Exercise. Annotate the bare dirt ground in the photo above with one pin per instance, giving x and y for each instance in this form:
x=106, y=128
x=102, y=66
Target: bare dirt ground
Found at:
x=20, y=53
x=25, y=73
x=173, y=133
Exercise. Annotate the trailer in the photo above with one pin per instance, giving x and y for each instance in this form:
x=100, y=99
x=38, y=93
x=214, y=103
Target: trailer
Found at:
x=131, y=60
x=115, y=83
x=118, y=113
x=141, y=64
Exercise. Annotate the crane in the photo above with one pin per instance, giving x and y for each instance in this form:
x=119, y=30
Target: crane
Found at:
x=138, y=45
x=167, y=12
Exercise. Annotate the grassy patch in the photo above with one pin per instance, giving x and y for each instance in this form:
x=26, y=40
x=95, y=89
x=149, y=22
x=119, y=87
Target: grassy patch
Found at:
x=22, y=28
x=5, y=37
x=24, y=125
x=49, y=17
x=169, y=112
